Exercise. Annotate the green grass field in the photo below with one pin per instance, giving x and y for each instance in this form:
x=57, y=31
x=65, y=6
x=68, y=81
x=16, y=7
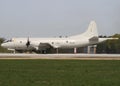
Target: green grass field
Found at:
x=59, y=73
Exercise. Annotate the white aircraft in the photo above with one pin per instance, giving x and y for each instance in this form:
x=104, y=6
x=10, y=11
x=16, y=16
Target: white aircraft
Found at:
x=90, y=37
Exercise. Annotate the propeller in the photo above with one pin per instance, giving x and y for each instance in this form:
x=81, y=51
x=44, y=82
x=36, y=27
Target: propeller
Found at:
x=28, y=42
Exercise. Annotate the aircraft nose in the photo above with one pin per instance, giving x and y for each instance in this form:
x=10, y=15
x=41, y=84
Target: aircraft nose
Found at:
x=3, y=45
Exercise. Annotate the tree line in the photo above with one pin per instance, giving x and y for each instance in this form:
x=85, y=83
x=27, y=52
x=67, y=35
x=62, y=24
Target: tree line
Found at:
x=110, y=46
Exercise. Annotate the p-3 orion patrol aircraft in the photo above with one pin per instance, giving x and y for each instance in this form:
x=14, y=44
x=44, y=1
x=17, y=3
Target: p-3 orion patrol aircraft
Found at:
x=89, y=37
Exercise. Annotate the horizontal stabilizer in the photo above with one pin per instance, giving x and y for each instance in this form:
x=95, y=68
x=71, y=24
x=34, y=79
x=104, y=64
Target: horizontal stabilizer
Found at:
x=94, y=39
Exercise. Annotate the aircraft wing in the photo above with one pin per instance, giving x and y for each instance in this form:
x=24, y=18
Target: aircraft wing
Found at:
x=44, y=46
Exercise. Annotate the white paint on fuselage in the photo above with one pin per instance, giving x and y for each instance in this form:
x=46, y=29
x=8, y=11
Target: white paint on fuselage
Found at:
x=89, y=37
x=20, y=43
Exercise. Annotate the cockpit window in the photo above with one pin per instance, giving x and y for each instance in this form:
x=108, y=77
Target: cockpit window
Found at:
x=8, y=41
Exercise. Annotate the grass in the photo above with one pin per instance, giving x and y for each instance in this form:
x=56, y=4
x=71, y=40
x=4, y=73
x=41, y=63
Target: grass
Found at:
x=59, y=73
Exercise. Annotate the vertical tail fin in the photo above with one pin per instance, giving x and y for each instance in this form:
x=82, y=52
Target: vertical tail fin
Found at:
x=90, y=32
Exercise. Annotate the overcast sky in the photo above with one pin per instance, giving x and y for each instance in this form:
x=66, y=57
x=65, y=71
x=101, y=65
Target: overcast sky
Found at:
x=49, y=18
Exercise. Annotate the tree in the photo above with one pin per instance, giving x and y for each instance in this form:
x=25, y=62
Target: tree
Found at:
x=110, y=46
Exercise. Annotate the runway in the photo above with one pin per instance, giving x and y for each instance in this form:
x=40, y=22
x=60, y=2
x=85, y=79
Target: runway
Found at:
x=61, y=56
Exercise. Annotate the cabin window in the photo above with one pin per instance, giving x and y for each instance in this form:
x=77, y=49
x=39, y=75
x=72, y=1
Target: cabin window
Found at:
x=20, y=41
x=66, y=41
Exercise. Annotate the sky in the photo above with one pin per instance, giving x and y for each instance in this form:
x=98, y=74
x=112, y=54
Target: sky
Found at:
x=51, y=18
